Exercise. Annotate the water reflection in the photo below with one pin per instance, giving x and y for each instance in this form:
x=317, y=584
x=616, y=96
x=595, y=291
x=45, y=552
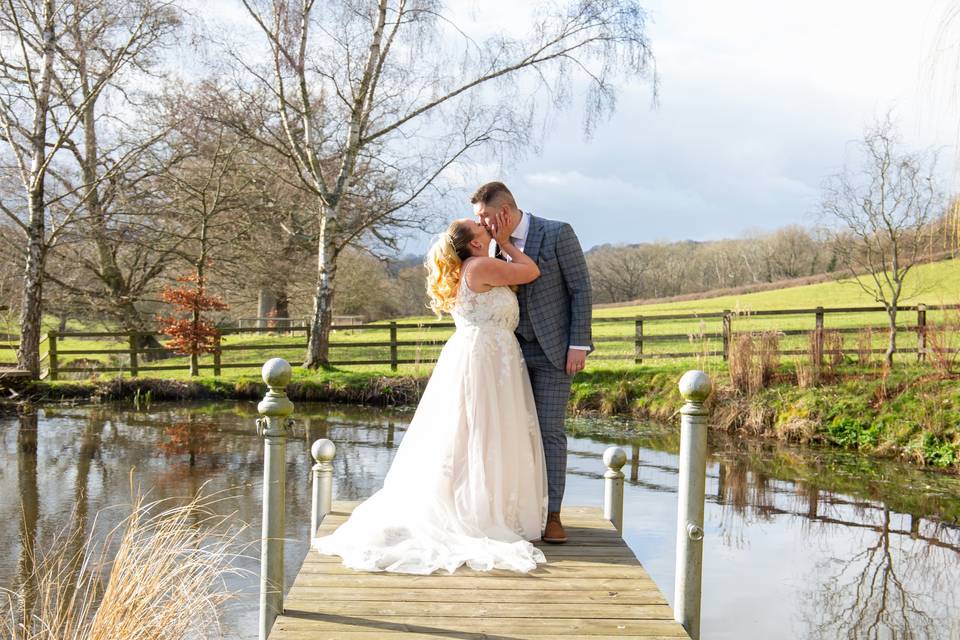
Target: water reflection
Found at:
x=800, y=543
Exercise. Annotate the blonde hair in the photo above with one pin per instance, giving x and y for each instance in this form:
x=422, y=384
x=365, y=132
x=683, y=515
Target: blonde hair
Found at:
x=444, y=262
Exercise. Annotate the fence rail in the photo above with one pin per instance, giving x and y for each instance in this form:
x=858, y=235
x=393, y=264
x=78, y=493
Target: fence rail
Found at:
x=636, y=339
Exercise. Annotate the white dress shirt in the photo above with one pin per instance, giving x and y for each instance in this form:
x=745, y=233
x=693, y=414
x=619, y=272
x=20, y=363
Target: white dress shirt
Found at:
x=519, y=239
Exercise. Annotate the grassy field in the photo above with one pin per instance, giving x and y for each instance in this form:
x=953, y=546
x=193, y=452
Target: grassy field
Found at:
x=614, y=331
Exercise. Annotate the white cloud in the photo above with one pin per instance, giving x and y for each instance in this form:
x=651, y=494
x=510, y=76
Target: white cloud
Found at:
x=759, y=101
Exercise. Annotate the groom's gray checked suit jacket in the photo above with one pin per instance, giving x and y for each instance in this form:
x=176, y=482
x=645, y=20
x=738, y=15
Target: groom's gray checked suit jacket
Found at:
x=555, y=309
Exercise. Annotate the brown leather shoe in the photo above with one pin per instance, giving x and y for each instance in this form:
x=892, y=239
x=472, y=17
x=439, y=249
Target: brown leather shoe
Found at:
x=553, y=532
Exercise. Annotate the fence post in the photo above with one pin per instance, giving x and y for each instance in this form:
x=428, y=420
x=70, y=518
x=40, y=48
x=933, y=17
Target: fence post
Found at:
x=727, y=321
x=216, y=355
x=323, y=451
x=694, y=387
x=638, y=341
x=393, y=346
x=818, y=336
x=52, y=354
x=134, y=346
x=921, y=332
x=275, y=409
x=614, y=458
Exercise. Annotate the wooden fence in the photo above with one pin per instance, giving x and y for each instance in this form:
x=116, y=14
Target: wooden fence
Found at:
x=636, y=339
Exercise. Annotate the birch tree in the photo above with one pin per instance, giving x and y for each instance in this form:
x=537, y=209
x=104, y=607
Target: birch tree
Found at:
x=396, y=91
x=42, y=103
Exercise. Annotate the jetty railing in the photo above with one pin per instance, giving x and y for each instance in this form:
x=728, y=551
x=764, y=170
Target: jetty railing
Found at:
x=695, y=387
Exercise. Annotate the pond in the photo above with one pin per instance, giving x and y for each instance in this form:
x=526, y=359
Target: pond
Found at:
x=800, y=542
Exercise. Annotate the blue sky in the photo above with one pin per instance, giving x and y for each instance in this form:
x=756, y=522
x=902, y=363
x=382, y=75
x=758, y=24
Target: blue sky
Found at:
x=759, y=102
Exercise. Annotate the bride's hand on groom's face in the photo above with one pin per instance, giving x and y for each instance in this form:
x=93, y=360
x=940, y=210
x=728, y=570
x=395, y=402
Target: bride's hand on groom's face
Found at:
x=499, y=229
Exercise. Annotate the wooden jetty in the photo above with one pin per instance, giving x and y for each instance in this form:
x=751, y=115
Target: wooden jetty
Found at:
x=592, y=587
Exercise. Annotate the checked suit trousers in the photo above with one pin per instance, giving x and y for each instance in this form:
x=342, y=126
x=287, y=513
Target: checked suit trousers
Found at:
x=551, y=393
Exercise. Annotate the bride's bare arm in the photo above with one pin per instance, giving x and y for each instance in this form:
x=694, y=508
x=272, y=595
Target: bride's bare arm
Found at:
x=485, y=273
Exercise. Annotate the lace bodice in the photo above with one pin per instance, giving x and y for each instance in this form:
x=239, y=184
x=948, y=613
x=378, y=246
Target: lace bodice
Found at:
x=497, y=307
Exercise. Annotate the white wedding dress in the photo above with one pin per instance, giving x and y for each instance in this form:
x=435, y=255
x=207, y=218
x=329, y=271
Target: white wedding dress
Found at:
x=468, y=484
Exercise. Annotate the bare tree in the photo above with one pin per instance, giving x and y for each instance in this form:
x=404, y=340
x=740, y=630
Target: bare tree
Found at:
x=119, y=241
x=42, y=102
x=620, y=273
x=880, y=216
x=372, y=88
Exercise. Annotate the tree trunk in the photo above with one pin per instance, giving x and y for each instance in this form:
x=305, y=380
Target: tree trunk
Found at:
x=266, y=306
x=282, y=309
x=318, y=347
x=131, y=320
x=892, y=340
x=31, y=304
x=31, y=301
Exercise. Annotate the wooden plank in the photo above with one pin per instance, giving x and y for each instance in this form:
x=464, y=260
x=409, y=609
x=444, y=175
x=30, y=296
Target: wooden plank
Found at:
x=377, y=635
x=294, y=620
x=592, y=587
x=530, y=609
x=353, y=594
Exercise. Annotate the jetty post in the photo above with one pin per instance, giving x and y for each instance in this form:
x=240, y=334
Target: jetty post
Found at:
x=273, y=427
x=695, y=386
x=614, y=458
x=323, y=452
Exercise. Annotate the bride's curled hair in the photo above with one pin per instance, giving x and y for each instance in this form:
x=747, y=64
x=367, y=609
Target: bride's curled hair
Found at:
x=444, y=261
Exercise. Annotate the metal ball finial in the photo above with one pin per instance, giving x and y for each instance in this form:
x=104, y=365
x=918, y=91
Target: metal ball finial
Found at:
x=276, y=372
x=614, y=458
x=695, y=386
x=323, y=450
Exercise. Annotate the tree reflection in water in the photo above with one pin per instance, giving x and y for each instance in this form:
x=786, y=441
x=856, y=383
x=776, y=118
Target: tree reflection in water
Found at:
x=25, y=586
x=890, y=588
x=892, y=583
x=191, y=438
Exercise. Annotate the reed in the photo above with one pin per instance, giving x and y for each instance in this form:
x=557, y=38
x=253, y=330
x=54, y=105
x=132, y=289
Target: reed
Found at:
x=943, y=344
x=753, y=360
x=160, y=574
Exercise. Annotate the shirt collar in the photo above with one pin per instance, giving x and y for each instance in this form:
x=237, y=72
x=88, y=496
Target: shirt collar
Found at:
x=523, y=227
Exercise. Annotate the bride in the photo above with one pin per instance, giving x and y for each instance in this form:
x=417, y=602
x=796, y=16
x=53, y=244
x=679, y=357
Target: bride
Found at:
x=468, y=484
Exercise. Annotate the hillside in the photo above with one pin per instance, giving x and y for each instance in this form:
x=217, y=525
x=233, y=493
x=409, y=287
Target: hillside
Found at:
x=934, y=283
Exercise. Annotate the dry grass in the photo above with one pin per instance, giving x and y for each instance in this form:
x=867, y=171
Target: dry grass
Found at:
x=753, y=360
x=943, y=344
x=833, y=350
x=808, y=375
x=158, y=575
x=865, y=346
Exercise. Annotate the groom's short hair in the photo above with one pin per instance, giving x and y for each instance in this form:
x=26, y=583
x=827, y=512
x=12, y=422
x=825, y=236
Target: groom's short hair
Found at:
x=491, y=193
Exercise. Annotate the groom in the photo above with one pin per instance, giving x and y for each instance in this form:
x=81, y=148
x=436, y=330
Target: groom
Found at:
x=554, y=328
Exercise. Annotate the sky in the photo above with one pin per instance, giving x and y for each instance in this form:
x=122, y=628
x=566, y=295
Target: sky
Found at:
x=759, y=102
